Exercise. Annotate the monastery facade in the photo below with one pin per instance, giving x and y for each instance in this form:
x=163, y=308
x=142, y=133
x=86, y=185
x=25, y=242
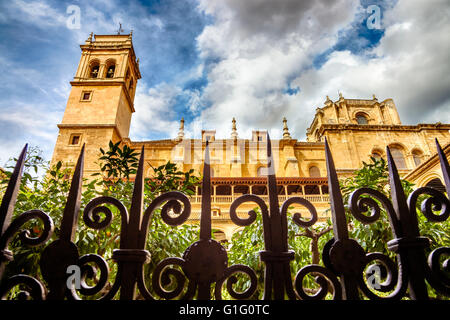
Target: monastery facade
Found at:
x=101, y=104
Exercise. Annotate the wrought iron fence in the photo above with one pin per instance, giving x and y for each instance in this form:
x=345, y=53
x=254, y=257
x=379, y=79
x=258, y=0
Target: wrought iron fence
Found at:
x=205, y=263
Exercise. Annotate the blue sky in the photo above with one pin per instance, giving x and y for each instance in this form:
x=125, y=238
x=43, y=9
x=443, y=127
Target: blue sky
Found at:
x=210, y=61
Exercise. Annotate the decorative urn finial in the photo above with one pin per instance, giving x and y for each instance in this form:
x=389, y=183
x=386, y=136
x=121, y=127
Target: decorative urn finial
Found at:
x=181, y=130
x=286, y=134
x=234, y=133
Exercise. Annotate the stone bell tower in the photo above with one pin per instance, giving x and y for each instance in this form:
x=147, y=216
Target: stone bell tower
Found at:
x=100, y=103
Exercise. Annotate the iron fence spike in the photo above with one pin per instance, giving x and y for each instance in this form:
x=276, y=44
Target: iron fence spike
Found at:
x=336, y=201
x=72, y=208
x=137, y=202
x=205, y=215
x=206, y=262
x=10, y=196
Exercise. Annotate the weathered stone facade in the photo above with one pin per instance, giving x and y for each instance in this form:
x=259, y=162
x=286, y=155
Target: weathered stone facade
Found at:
x=100, y=107
x=100, y=103
x=380, y=126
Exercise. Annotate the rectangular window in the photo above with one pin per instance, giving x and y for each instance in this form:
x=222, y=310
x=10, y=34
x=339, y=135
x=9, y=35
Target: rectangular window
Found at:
x=74, y=139
x=259, y=136
x=86, y=96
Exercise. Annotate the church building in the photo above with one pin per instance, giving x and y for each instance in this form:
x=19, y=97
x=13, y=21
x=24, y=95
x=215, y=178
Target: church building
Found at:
x=101, y=104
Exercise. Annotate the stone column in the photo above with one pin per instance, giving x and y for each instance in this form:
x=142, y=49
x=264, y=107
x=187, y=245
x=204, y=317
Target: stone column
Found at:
x=123, y=65
x=101, y=71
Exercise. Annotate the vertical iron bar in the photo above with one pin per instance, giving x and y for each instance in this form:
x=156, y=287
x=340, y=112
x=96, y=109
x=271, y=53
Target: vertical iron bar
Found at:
x=337, y=203
x=8, y=204
x=274, y=210
x=70, y=215
x=204, y=291
x=131, y=263
x=276, y=257
x=275, y=225
x=137, y=204
x=348, y=281
x=62, y=253
x=10, y=196
x=205, y=218
x=412, y=256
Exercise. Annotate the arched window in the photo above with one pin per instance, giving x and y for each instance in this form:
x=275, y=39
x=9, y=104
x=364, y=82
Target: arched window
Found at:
x=361, y=119
x=110, y=70
x=314, y=171
x=93, y=71
x=397, y=154
x=376, y=155
x=417, y=157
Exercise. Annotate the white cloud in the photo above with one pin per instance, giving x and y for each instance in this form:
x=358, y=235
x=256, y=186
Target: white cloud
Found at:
x=39, y=13
x=155, y=111
x=262, y=47
x=27, y=123
x=411, y=65
x=31, y=118
x=259, y=48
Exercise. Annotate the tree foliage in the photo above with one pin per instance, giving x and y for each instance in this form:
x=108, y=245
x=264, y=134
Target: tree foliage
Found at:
x=374, y=237
x=117, y=165
x=118, y=162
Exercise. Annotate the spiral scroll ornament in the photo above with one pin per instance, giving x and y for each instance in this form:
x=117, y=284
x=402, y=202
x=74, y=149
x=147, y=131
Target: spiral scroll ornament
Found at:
x=359, y=205
x=34, y=289
x=384, y=268
x=251, y=214
x=231, y=279
x=324, y=277
x=89, y=271
x=437, y=202
x=297, y=218
x=172, y=212
x=92, y=211
x=438, y=275
x=24, y=235
x=165, y=276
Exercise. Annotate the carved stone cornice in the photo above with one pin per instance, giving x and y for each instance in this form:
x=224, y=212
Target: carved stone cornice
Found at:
x=383, y=127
